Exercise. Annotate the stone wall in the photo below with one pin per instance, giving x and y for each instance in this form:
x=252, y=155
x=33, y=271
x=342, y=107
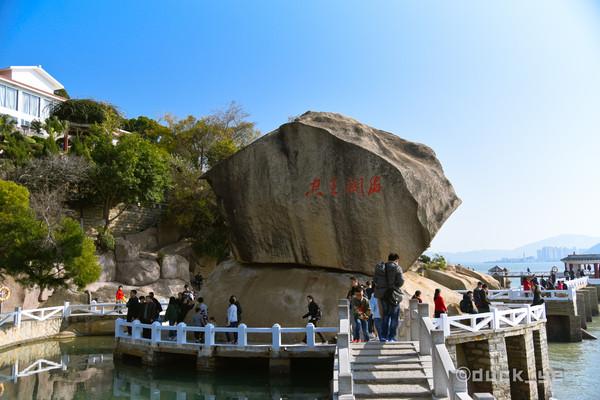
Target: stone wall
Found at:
x=134, y=219
x=29, y=331
x=511, y=363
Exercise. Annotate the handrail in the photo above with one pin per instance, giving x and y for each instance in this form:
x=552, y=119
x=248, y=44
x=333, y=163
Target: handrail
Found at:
x=345, y=384
x=62, y=312
x=527, y=295
x=495, y=319
x=158, y=333
x=447, y=380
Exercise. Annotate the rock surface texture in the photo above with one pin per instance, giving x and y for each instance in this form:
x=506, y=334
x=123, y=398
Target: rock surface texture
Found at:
x=328, y=191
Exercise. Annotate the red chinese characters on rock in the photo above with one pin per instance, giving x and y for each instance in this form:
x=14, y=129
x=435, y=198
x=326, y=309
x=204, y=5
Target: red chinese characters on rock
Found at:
x=357, y=186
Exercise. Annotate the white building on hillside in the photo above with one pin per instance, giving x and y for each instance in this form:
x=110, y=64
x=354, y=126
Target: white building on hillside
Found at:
x=27, y=94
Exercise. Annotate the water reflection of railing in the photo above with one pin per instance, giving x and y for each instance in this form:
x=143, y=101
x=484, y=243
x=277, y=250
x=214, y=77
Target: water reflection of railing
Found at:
x=39, y=366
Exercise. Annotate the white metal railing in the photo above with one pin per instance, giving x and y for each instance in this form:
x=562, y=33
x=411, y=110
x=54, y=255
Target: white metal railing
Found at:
x=527, y=295
x=521, y=314
x=60, y=312
x=577, y=283
x=448, y=381
x=156, y=333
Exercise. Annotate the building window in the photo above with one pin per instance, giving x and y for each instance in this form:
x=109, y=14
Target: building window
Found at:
x=8, y=97
x=47, y=106
x=31, y=104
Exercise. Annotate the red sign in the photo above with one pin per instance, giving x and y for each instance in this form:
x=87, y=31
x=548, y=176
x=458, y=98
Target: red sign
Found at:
x=354, y=186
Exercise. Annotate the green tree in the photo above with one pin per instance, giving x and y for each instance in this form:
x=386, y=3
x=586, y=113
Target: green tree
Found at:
x=42, y=253
x=130, y=172
x=85, y=111
x=147, y=128
x=192, y=206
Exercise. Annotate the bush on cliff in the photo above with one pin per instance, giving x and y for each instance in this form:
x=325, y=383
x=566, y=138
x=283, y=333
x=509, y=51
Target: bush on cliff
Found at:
x=39, y=251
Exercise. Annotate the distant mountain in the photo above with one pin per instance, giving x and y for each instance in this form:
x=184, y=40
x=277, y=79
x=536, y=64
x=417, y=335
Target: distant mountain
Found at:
x=577, y=241
x=594, y=250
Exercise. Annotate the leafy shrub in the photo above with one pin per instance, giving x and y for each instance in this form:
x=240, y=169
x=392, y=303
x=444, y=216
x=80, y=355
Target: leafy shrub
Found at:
x=105, y=240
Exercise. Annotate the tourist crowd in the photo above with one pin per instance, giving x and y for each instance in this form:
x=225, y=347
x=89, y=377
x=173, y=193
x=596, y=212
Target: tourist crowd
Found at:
x=147, y=309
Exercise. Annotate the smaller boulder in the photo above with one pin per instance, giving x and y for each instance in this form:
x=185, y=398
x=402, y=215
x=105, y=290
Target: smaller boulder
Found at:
x=175, y=266
x=139, y=272
x=145, y=240
x=126, y=251
x=109, y=267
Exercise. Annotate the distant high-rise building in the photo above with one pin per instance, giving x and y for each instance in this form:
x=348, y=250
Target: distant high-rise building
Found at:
x=552, y=253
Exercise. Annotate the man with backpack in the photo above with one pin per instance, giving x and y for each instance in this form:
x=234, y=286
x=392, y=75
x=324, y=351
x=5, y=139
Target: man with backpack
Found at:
x=388, y=280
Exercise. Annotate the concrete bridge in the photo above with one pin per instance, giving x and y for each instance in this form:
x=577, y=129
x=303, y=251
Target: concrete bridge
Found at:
x=436, y=358
x=567, y=311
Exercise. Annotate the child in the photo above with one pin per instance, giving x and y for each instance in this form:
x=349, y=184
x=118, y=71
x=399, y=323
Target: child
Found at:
x=360, y=311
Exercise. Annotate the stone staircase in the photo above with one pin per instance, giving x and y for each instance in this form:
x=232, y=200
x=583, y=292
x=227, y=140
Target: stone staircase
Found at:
x=390, y=371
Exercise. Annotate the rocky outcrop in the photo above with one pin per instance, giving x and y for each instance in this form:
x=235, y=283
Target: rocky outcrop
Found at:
x=109, y=267
x=126, y=250
x=480, y=276
x=328, y=191
x=174, y=266
x=146, y=240
x=274, y=293
x=139, y=272
x=451, y=280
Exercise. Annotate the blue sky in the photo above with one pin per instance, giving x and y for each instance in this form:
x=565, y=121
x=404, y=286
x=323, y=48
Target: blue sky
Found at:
x=506, y=92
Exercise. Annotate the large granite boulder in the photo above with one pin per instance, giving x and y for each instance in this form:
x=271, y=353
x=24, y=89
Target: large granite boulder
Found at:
x=139, y=272
x=174, y=266
x=126, y=250
x=328, y=191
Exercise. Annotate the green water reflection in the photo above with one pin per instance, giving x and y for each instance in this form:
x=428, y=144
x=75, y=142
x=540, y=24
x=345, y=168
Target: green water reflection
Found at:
x=83, y=368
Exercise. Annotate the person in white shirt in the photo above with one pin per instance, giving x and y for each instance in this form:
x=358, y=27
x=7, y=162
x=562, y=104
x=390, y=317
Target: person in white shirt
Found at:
x=232, y=319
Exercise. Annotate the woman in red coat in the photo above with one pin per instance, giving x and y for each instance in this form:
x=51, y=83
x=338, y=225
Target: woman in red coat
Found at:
x=439, y=304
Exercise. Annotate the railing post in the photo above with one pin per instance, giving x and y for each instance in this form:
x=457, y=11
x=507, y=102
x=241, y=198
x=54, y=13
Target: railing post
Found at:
x=495, y=319
x=93, y=308
x=181, y=333
x=413, y=307
x=209, y=335
x=66, y=310
x=136, y=330
x=242, y=335
x=119, y=327
x=528, y=316
x=276, y=330
x=458, y=383
x=310, y=335
x=18, y=317
x=440, y=388
x=445, y=324
x=343, y=311
x=155, y=337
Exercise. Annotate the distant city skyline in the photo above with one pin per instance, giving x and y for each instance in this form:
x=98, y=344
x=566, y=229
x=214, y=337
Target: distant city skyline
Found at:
x=505, y=92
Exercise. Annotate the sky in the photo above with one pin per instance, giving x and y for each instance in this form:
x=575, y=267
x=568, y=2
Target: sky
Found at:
x=506, y=92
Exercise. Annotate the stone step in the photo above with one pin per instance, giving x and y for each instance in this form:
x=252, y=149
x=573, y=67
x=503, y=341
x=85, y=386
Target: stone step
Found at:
x=387, y=391
x=412, y=345
x=380, y=377
x=382, y=352
x=390, y=367
x=406, y=358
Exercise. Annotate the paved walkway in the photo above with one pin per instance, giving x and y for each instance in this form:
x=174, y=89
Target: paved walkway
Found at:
x=390, y=371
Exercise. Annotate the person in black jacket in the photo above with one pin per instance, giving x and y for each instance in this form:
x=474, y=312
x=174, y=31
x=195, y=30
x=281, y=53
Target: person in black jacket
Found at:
x=466, y=304
x=157, y=305
x=314, y=315
x=133, y=308
x=388, y=280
